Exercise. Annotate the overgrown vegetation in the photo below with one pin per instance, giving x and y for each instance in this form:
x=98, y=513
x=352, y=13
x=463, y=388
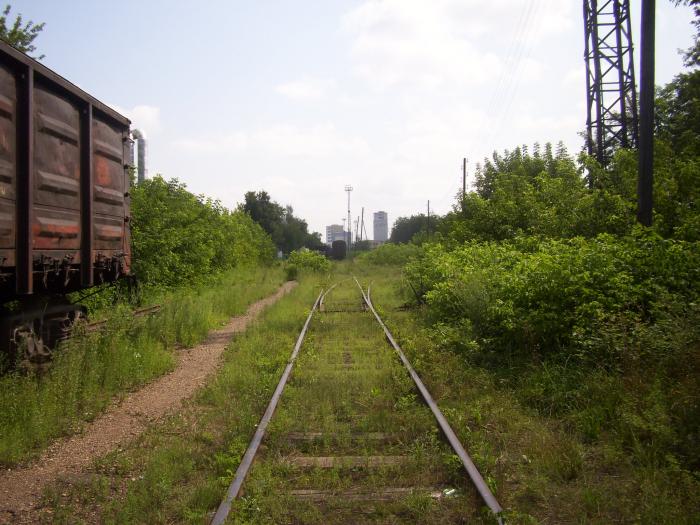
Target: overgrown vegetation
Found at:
x=91, y=368
x=180, y=238
x=306, y=260
x=178, y=471
x=390, y=254
x=287, y=231
x=573, y=324
x=202, y=262
x=542, y=470
x=541, y=279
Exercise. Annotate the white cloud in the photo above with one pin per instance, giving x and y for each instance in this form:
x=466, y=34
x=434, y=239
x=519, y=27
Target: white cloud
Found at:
x=305, y=88
x=449, y=43
x=418, y=43
x=143, y=117
x=575, y=76
x=279, y=140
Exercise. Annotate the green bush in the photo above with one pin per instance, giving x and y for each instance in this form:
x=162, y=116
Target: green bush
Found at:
x=391, y=254
x=291, y=272
x=602, y=331
x=181, y=238
x=306, y=259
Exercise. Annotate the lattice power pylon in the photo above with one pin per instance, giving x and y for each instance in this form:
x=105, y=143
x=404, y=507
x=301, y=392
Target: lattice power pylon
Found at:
x=612, y=120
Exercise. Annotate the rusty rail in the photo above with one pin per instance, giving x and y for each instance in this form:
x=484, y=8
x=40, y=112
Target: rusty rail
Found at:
x=141, y=312
x=242, y=471
x=481, y=486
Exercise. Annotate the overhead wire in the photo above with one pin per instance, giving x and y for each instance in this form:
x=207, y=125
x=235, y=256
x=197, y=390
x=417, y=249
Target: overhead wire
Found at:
x=510, y=63
x=515, y=78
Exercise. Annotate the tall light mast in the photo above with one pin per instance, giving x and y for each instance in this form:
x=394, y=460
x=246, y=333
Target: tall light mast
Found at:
x=348, y=189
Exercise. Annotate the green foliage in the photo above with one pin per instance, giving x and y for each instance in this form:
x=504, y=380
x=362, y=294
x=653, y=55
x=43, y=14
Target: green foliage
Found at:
x=567, y=320
x=306, y=259
x=391, y=254
x=90, y=368
x=287, y=231
x=405, y=229
x=19, y=35
x=178, y=237
x=545, y=193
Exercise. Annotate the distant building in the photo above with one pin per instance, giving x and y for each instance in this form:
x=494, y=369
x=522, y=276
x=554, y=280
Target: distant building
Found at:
x=381, y=226
x=335, y=232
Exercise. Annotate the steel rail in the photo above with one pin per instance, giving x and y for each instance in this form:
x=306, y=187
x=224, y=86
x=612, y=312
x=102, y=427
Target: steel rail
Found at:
x=235, y=487
x=148, y=310
x=323, y=297
x=481, y=486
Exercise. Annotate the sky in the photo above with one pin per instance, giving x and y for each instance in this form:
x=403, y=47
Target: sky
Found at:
x=301, y=98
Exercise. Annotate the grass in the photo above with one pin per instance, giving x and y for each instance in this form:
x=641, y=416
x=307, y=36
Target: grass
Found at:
x=348, y=387
x=91, y=368
x=179, y=470
x=539, y=469
x=543, y=470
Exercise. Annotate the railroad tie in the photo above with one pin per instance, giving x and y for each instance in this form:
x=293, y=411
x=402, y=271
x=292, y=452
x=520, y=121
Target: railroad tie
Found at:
x=386, y=494
x=376, y=437
x=346, y=461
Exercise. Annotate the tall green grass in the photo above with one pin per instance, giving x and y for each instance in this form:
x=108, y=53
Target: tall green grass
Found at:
x=91, y=369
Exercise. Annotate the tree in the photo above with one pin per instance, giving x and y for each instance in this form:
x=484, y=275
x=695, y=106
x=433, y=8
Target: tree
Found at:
x=405, y=228
x=19, y=35
x=692, y=54
x=288, y=232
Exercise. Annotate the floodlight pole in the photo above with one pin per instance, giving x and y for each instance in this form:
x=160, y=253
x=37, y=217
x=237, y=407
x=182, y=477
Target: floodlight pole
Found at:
x=464, y=184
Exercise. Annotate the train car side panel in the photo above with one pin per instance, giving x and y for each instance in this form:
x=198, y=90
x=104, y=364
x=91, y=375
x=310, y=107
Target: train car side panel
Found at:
x=8, y=168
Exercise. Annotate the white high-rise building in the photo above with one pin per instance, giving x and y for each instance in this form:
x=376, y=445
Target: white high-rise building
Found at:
x=335, y=232
x=381, y=226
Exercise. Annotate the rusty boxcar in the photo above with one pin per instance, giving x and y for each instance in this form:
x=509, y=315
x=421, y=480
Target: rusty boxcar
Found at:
x=64, y=200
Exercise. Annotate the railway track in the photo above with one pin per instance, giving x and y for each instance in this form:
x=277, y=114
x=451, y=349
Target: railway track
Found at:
x=355, y=437
x=140, y=312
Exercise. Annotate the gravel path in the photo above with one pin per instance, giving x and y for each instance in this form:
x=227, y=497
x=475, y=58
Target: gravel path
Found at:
x=21, y=488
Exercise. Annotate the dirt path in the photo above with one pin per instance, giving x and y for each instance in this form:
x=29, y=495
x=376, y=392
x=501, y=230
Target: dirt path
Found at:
x=21, y=488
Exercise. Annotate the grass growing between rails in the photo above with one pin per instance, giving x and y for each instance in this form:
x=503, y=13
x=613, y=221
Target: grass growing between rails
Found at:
x=178, y=470
x=91, y=368
x=350, y=428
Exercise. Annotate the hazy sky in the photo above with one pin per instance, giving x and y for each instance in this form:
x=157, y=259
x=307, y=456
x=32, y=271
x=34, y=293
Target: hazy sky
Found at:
x=301, y=98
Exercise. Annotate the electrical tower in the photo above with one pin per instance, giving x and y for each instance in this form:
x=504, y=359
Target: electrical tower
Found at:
x=612, y=120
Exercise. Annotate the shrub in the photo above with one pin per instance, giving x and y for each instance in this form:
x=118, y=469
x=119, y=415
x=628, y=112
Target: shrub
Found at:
x=291, y=272
x=180, y=238
x=390, y=254
x=306, y=259
x=602, y=331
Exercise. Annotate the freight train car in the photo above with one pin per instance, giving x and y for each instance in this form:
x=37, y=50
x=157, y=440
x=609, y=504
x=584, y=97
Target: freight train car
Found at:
x=64, y=201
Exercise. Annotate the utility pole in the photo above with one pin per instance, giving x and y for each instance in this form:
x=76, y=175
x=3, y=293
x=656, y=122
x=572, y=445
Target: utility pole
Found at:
x=464, y=184
x=362, y=222
x=348, y=189
x=357, y=225
x=645, y=181
x=428, y=228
